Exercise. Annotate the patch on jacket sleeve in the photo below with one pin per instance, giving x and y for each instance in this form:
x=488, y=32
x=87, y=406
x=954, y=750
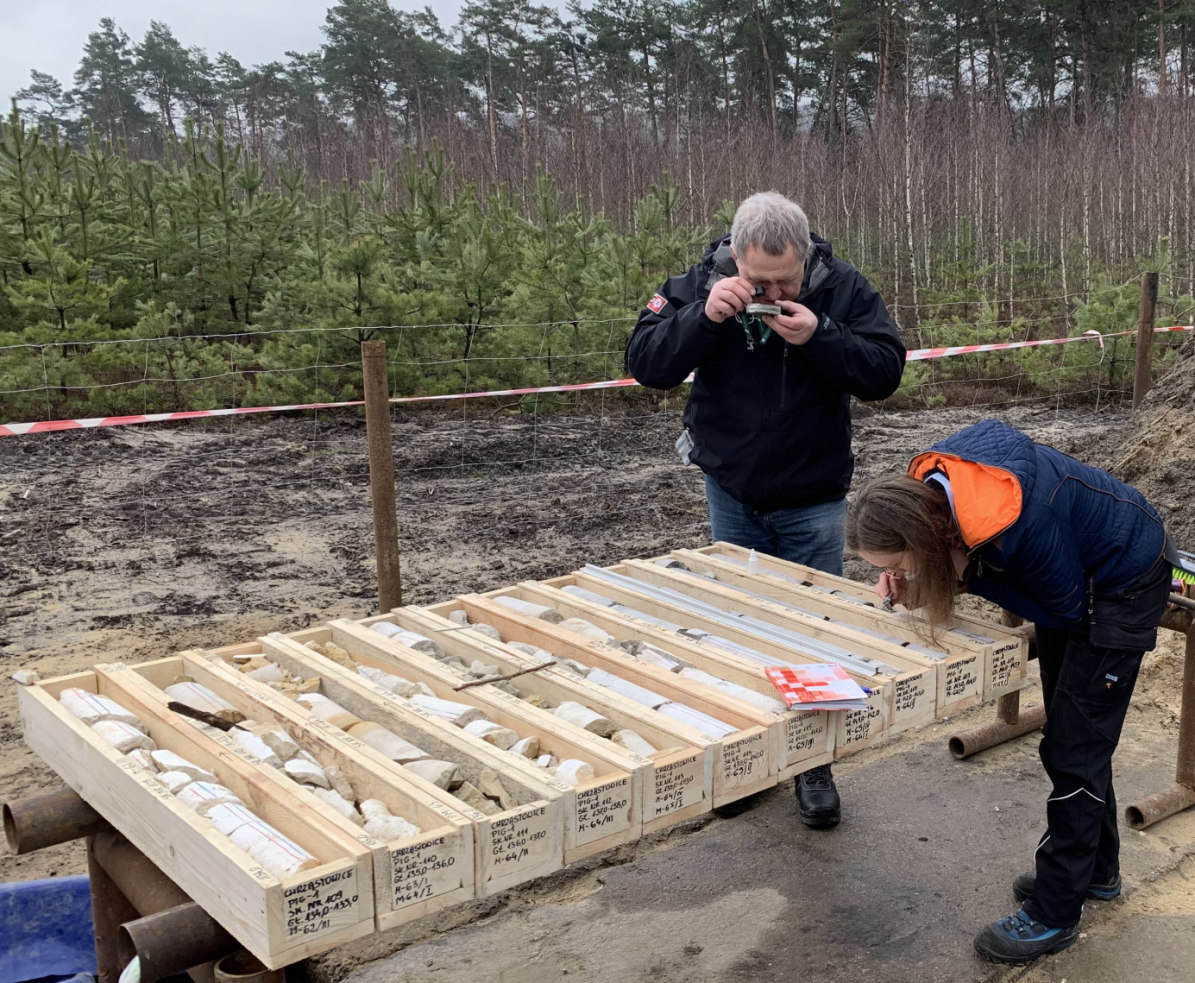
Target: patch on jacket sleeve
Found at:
x=656, y=304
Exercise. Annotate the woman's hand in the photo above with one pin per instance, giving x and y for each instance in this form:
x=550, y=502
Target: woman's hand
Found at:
x=891, y=587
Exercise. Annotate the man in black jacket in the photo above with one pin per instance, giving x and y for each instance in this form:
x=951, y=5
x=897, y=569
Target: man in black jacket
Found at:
x=768, y=417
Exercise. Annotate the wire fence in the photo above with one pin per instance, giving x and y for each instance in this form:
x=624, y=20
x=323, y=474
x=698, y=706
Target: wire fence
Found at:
x=193, y=373
x=218, y=516
x=1098, y=370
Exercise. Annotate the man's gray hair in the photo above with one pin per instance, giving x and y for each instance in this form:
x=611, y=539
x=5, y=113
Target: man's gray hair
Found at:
x=770, y=222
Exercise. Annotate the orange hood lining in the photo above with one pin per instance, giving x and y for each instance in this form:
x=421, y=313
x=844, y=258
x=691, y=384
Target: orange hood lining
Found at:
x=987, y=499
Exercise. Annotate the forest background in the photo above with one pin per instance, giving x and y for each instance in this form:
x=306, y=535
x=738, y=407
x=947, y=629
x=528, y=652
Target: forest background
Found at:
x=498, y=200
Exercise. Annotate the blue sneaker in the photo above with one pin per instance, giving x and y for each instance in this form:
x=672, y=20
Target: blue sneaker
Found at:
x=1019, y=939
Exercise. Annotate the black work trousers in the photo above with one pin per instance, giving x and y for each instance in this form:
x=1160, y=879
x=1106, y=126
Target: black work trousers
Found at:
x=1087, y=675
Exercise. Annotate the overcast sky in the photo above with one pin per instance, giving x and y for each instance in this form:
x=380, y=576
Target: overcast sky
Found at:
x=49, y=34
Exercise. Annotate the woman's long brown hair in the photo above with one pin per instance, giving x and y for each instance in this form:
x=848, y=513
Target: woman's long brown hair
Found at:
x=899, y=514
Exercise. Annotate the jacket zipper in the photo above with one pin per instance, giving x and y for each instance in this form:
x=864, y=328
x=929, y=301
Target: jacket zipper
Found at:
x=784, y=377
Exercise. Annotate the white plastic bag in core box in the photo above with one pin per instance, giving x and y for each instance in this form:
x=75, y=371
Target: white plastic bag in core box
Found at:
x=280, y=921
x=414, y=875
x=601, y=812
x=677, y=777
x=516, y=845
x=844, y=620
x=800, y=744
x=736, y=653
x=745, y=759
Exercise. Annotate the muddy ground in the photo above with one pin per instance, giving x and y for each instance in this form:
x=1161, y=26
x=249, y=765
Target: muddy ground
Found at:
x=131, y=543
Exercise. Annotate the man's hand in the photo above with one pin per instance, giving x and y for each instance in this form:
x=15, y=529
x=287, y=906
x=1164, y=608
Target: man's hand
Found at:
x=796, y=325
x=727, y=297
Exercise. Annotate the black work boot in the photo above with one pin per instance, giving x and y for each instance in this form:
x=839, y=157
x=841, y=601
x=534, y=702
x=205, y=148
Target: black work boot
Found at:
x=1024, y=886
x=817, y=798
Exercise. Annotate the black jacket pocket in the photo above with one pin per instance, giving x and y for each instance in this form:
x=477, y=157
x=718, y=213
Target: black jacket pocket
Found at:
x=1128, y=619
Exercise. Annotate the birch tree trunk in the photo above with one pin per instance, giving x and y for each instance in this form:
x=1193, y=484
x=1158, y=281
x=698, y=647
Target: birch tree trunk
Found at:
x=908, y=180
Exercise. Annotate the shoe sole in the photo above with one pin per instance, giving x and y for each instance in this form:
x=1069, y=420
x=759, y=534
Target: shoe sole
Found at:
x=815, y=822
x=1011, y=960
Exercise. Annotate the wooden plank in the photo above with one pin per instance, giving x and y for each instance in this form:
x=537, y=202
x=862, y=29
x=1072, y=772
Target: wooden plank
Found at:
x=853, y=730
x=1004, y=663
x=917, y=698
x=413, y=876
x=678, y=778
x=280, y=921
x=959, y=673
x=803, y=738
x=916, y=685
x=513, y=846
x=914, y=692
x=604, y=812
x=745, y=762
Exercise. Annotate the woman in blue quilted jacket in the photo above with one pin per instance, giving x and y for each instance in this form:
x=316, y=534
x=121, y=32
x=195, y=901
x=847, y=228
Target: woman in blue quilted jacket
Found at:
x=1085, y=557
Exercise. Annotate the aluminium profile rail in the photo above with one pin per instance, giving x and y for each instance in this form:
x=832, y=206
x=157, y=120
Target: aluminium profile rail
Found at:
x=860, y=664
x=849, y=598
x=921, y=650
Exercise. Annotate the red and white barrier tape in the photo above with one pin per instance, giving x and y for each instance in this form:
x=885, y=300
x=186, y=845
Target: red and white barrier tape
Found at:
x=571, y=388
x=924, y=353
x=49, y=426
x=14, y=429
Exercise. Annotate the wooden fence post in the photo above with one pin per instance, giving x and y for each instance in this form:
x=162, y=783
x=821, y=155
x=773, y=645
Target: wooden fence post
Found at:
x=381, y=473
x=1143, y=361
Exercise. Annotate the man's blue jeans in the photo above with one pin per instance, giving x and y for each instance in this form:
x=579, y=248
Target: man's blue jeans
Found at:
x=812, y=536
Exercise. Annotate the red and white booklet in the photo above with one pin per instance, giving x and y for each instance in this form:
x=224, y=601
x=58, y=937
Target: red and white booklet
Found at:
x=822, y=686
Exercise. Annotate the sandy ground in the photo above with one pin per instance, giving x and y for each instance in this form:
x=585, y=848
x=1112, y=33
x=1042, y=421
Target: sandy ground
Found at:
x=135, y=542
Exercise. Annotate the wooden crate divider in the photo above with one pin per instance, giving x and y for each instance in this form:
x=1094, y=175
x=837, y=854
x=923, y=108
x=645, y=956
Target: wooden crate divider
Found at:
x=413, y=876
x=601, y=813
x=911, y=688
x=513, y=846
x=280, y=921
x=1004, y=650
x=745, y=761
x=847, y=731
x=901, y=699
x=678, y=778
x=959, y=668
x=918, y=694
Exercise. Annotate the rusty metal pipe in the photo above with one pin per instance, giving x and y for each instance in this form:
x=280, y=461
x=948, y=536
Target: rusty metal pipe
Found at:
x=1178, y=619
x=146, y=887
x=48, y=819
x=968, y=742
x=1008, y=708
x=1185, y=772
x=1179, y=601
x=173, y=935
x=244, y=967
x=1154, y=808
x=1181, y=795
x=109, y=909
x=173, y=941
